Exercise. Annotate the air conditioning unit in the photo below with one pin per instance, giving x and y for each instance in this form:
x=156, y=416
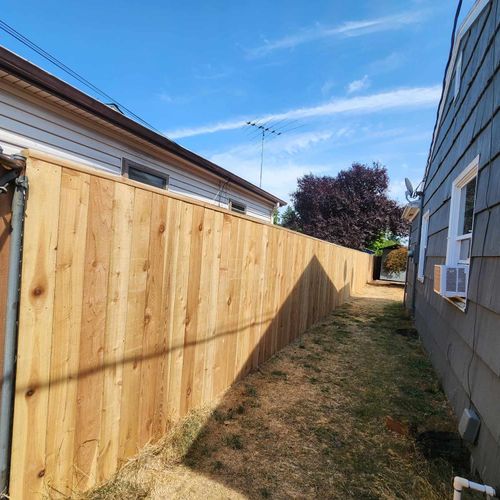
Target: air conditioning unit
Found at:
x=451, y=281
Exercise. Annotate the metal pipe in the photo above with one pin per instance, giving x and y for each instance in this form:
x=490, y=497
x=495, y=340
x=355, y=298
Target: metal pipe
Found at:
x=10, y=346
x=12, y=162
x=460, y=483
x=417, y=252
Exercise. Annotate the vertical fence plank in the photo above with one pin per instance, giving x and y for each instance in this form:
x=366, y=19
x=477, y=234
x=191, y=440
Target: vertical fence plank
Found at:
x=35, y=326
x=179, y=308
x=136, y=302
x=68, y=299
x=191, y=320
x=151, y=342
x=236, y=263
x=212, y=268
x=223, y=324
x=92, y=341
x=116, y=317
x=167, y=306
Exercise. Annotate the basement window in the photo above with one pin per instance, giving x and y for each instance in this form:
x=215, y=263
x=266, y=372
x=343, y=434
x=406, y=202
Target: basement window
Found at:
x=140, y=173
x=236, y=206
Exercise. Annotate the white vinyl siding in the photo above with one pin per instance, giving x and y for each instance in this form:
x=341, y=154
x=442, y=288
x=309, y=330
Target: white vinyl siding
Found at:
x=27, y=122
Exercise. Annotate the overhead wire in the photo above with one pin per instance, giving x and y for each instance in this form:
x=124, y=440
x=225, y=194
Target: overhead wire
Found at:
x=49, y=57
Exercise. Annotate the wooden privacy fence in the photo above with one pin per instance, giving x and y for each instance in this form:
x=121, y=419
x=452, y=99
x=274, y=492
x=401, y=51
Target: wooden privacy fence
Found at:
x=136, y=306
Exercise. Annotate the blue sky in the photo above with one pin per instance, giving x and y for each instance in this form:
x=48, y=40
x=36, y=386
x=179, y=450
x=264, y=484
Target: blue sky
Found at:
x=345, y=81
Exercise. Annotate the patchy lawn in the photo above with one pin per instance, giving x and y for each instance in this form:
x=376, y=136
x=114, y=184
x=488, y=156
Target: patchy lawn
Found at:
x=351, y=410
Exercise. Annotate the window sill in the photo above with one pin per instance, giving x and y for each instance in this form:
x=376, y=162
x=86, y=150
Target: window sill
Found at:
x=458, y=303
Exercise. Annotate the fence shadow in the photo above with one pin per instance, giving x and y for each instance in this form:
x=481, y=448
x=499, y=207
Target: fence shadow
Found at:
x=238, y=399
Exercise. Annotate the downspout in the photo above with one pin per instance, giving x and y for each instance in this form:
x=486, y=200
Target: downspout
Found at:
x=417, y=252
x=15, y=164
x=410, y=254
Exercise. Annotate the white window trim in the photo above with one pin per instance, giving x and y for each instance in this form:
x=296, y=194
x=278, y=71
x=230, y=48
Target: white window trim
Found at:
x=452, y=250
x=424, y=233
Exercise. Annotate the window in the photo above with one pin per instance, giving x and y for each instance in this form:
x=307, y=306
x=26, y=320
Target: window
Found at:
x=424, y=231
x=458, y=75
x=146, y=175
x=463, y=195
x=236, y=206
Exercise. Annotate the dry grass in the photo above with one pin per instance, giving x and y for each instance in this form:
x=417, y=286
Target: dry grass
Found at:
x=311, y=423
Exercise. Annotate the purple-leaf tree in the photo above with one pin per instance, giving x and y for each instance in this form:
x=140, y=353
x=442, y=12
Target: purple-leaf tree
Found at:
x=351, y=209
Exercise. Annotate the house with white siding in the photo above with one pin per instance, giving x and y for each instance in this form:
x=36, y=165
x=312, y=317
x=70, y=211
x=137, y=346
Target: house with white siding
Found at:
x=42, y=112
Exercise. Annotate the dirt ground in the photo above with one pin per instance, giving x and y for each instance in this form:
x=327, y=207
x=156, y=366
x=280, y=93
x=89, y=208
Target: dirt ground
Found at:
x=351, y=410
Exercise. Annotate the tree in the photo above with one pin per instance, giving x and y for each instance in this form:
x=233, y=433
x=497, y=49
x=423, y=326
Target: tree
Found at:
x=351, y=209
x=395, y=261
x=383, y=240
x=290, y=219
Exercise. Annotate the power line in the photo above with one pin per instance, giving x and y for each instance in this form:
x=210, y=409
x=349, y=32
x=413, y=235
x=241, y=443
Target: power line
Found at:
x=36, y=48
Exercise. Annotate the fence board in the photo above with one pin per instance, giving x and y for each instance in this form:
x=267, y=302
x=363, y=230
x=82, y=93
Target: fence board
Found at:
x=137, y=306
x=36, y=332
x=116, y=323
x=92, y=341
x=67, y=323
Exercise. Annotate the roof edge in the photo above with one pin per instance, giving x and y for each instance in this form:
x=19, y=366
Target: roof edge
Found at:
x=33, y=74
x=467, y=22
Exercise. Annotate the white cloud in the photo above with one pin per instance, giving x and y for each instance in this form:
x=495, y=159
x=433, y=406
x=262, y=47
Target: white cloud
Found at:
x=358, y=85
x=166, y=97
x=388, y=63
x=402, y=99
x=327, y=87
x=279, y=146
x=347, y=29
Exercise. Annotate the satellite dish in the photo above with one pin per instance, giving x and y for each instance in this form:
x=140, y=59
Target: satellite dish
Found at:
x=409, y=186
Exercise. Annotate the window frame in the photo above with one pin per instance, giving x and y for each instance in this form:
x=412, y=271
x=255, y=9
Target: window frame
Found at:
x=127, y=163
x=231, y=207
x=468, y=174
x=422, y=251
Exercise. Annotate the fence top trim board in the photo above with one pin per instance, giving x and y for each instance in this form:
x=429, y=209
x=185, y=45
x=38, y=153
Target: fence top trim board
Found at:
x=62, y=162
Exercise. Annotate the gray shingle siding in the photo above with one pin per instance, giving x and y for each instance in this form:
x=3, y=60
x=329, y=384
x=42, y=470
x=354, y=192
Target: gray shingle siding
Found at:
x=468, y=363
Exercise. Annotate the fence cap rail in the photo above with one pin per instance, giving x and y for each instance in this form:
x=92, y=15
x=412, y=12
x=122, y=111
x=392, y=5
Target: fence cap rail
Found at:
x=35, y=154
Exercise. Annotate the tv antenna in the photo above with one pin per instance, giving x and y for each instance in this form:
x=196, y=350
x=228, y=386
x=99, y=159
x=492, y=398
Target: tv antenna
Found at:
x=263, y=131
